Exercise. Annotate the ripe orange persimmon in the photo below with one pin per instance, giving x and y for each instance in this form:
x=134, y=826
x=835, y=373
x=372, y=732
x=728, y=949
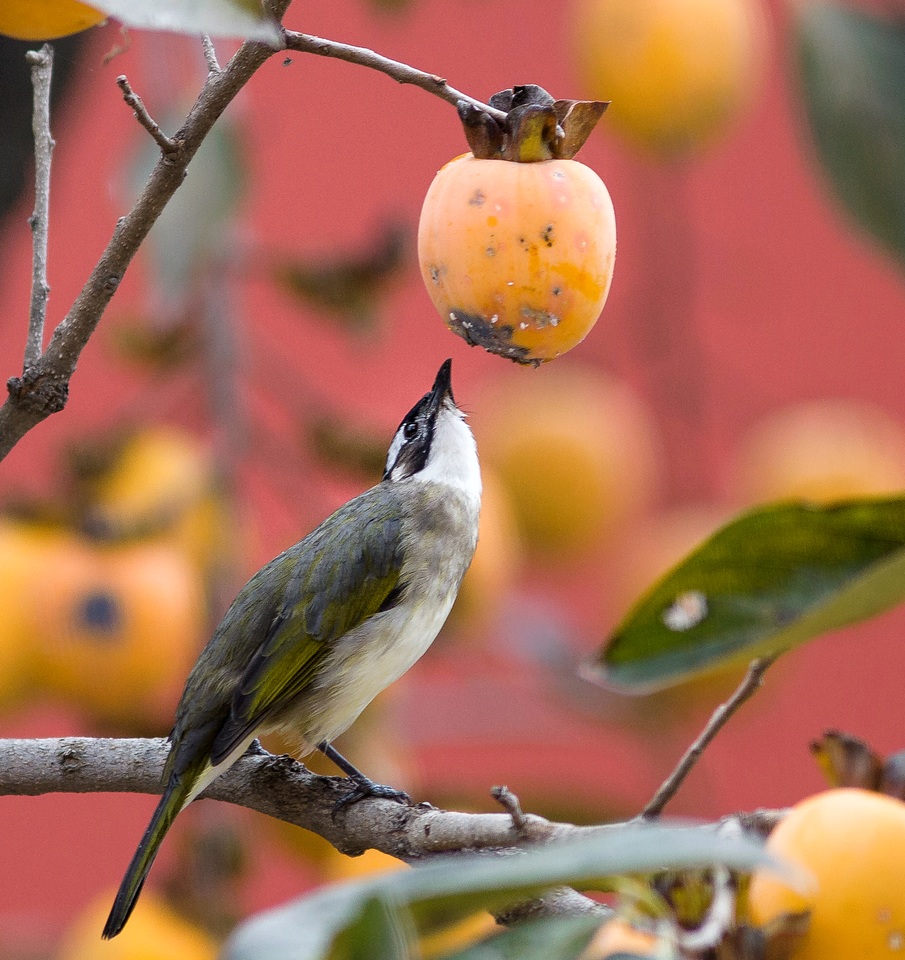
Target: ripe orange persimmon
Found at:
x=116, y=627
x=822, y=450
x=46, y=19
x=677, y=71
x=577, y=452
x=517, y=245
x=853, y=843
x=155, y=932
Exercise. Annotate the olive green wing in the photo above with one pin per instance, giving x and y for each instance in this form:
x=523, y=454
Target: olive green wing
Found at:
x=344, y=572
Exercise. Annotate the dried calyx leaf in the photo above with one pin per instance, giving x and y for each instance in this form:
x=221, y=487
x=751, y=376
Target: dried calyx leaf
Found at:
x=536, y=127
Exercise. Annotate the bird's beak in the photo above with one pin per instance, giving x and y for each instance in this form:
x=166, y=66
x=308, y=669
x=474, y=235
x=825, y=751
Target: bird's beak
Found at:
x=442, y=387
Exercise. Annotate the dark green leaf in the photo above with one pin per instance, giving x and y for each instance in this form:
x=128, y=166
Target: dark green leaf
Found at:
x=767, y=581
x=217, y=18
x=442, y=893
x=852, y=77
x=550, y=939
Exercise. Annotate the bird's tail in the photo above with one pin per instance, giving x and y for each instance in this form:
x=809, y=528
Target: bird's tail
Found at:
x=175, y=797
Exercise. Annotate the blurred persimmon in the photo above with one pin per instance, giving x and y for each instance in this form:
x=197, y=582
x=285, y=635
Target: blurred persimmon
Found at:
x=497, y=559
x=116, y=627
x=577, y=452
x=821, y=450
x=161, y=480
x=46, y=19
x=678, y=72
x=155, y=932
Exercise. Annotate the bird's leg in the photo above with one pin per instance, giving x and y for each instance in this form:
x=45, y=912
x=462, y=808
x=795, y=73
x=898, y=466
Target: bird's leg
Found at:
x=364, y=786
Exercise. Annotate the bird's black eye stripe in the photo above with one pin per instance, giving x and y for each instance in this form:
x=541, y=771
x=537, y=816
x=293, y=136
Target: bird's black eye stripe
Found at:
x=410, y=430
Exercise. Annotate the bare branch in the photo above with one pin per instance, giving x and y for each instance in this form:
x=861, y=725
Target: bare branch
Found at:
x=144, y=118
x=41, y=69
x=401, y=72
x=278, y=786
x=210, y=54
x=746, y=689
x=510, y=803
x=43, y=389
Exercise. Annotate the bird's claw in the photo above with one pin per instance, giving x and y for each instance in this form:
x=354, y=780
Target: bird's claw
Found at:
x=367, y=788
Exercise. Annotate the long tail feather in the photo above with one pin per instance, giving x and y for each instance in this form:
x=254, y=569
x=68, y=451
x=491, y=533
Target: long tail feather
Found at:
x=173, y=800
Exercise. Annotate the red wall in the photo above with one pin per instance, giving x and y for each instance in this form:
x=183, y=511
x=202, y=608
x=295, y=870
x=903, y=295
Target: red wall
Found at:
x=780, y=301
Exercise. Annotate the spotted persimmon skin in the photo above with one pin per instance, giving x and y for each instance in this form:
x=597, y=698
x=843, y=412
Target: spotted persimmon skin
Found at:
x=518, y=257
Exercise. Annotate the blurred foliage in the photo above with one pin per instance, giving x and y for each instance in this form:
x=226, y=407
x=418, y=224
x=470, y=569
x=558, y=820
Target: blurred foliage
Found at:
x=350, y=286
x=851, y=66
x=394, y=909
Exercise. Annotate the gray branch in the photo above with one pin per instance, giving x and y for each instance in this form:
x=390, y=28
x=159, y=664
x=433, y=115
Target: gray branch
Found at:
x=41, y=62
x=400, y=72
x=278, y=786
x=749, y=685
x=44, y=387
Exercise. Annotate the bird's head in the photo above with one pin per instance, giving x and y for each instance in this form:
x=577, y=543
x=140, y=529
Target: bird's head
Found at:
x=433, y=442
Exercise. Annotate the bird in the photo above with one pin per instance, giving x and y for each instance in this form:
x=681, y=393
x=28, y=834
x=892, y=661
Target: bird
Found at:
x=328, y=624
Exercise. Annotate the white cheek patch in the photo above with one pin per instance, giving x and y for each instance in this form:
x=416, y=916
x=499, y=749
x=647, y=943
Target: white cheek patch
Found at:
x=393, y=452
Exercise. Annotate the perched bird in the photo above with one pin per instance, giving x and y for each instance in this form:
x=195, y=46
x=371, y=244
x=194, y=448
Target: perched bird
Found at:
x=319, y=631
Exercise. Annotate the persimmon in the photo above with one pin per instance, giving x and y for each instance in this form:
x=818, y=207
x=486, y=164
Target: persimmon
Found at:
x=822, y=450
x=22, y=554
x=116, y=627
x=516, y=240
x=577, y=452
x=155, y=932
x=46, y=19
x=853, y=843
x=160, y=481
x=678, y=71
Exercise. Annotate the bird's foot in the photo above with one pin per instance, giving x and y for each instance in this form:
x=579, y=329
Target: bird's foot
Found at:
x=365, y=787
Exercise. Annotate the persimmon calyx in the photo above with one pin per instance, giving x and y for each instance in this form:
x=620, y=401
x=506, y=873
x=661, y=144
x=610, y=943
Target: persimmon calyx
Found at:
x=536, y=127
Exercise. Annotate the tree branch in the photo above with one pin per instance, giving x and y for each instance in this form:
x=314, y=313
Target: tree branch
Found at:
x=166, y=144
x=400, y=72
x=278, y=786
x=43, y=388
x=746, y=689
x=41, y=62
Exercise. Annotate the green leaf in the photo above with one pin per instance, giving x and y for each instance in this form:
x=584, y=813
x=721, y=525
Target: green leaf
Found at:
x=217, y=18
x=852, y=77
x=767, y=581
x=550, y=939
x=442, y=893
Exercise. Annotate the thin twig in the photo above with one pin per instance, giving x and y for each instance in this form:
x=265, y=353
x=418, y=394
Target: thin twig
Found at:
x=41, y=62
x=401, y=72
x=144, y=118
x=746, y=689
x=510, y=803
x=44, y=390
x=210, y=54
